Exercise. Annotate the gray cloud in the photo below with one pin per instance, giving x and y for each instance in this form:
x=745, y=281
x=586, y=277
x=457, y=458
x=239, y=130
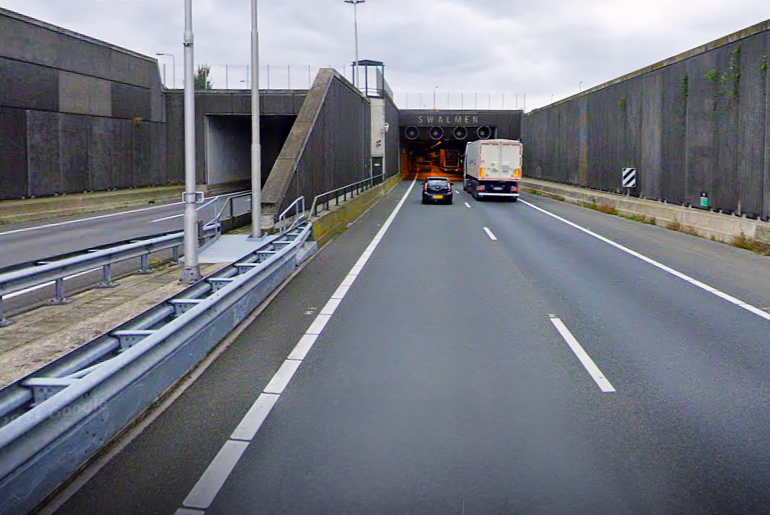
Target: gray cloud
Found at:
x=542, y=48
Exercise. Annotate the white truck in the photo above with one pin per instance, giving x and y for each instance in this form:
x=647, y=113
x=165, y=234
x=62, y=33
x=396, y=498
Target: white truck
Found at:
x=493, y=168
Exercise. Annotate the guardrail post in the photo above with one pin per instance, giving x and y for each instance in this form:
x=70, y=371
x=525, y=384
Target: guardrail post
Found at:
x=106, y=281
x=60, y=298
x=144, y=267
x=175, y=258
x=4, y=322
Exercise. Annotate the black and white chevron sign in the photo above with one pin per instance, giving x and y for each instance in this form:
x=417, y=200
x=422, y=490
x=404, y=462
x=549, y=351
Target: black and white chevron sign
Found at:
x=629, y=177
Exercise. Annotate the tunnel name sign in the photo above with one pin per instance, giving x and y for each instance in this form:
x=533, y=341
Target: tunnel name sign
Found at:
x=457, y=119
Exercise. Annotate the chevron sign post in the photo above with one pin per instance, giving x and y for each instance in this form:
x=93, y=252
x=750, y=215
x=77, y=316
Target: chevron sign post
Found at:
x=629, y=177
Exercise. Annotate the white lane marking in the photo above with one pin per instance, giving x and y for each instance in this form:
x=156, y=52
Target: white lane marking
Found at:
x=213, y=479
x=303, y=347
x=456, y=191
x=467, y=205
x=489, y=233
x=208, y=486
x=582, y=355
x=675, y=273
x=174, y=216
x=318, y=324
x=83, y=220
x=281, y=378
x=255, y=417
x=40, y=286
x=330, y=307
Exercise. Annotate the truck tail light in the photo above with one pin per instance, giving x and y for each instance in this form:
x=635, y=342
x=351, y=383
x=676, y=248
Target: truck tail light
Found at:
x=481, y=172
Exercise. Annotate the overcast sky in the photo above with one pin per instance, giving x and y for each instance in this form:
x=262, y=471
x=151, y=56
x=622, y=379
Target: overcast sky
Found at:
x=542, y=48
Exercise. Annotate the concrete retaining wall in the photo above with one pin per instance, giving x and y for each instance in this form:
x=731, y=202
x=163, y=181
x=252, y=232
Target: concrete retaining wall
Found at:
x=707, y=224
x=698, y=122
x=336, y=220
x=76, y=114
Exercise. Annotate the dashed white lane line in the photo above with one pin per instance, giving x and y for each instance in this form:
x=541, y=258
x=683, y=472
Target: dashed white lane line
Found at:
x=729, y=298
x=489, y=233
x=582, y=355
x=208, y=486
x=467, y=205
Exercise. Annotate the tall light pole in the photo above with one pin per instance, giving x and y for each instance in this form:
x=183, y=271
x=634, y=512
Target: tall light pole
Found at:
x=355, y=3
x=434, y=97
x=191, y=272
x=173, y=61
x=256, y=150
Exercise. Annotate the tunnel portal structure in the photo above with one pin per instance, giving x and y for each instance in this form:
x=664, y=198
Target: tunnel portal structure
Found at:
x=433, y=141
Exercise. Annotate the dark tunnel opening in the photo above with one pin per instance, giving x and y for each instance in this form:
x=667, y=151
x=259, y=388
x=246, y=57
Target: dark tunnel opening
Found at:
x=428, y=153
x=228, y=146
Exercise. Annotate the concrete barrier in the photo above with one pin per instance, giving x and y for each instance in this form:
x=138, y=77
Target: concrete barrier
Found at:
x=719, y=226
x=332, y=222
x=15, y=211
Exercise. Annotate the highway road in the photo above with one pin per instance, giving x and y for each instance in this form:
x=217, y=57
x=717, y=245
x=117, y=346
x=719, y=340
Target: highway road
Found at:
x=479, y=358
x=27, y=242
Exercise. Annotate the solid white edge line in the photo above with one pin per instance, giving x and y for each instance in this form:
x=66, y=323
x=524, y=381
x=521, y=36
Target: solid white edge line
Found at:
x=489, y=233
x=661, y=266
x=341, y=292
x=208, y=486
x=255, y=417
x=597, y=375
x=330, y=307
x=281, y=379
x=303, y=347
x=318, y=324
x=356, y=270
x=213, y=479
x=83, y=220
x=349, y=280
x=166, y=218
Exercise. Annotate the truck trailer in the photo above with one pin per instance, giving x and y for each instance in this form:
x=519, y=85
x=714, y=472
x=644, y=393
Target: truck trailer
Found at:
x=493, y=168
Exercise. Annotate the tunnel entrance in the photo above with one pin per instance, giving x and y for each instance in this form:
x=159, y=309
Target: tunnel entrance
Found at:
x=431, y=151
x=228, y=146
x=433, y=141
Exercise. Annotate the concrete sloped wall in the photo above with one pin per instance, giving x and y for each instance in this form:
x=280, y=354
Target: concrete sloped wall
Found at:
x=328, y=147
x=698, y=122
x=76, y=114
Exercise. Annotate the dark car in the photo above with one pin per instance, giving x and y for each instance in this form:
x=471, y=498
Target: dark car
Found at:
x=437, y=189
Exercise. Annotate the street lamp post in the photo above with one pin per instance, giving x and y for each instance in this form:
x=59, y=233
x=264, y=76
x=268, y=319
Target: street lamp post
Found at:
x=191, y=272
x=434, y=97
x=256, y=150
x=173, y=72
x=355, y=3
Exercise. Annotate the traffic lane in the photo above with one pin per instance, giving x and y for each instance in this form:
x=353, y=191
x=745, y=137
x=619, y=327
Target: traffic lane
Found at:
x=25, y=244
x=439, y=385
x=739, y=272
x=156, y=470
x=694, y=366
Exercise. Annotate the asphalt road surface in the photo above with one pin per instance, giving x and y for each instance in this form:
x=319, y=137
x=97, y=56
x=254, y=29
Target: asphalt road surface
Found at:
x=487, y=357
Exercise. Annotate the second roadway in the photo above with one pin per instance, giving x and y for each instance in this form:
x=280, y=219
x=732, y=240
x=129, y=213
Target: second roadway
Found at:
x=485, y=357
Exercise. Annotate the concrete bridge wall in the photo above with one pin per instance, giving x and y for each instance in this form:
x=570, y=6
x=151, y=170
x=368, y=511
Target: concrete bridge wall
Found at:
x=698, y=122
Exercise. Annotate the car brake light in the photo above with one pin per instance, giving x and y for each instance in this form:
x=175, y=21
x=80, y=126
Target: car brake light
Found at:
x=480, y=187
x=515, y=189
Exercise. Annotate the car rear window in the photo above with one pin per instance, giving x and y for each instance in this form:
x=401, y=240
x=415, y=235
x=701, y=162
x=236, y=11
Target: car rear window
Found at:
x=438, y=184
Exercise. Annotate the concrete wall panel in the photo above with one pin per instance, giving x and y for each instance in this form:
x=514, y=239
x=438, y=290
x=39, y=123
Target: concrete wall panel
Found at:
x=158, y=154
x=100, y=150
x=44, y=160
x=122, y=163
x=74, y=145
x=130, y=102
x=696, y=122
x=84, y=57
x=13, y=153
x=28, y=86
x=142, y=155
x=81, y=94
x=26, y=42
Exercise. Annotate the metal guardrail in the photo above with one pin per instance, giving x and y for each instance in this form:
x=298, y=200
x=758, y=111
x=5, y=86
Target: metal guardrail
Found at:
x=55, y=420
x=345, y=191
x=229, y=207
x=298, y=206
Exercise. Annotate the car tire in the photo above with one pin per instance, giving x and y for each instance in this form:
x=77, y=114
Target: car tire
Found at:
x=450, y=201
x=514, y=199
